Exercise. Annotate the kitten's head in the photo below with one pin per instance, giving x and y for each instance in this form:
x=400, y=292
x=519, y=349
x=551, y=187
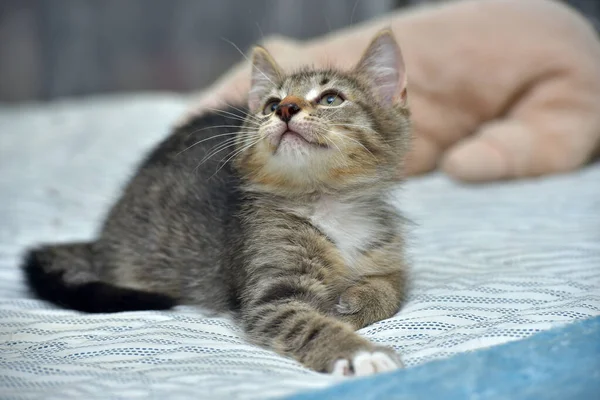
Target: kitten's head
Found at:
x=323, y=130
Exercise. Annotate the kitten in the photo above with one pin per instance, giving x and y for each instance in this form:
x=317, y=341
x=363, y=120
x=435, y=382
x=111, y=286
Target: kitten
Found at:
x=292, y=232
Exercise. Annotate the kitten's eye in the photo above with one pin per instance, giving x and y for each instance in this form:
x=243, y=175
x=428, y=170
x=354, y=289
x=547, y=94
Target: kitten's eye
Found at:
x=331, y=100
x=271, y=106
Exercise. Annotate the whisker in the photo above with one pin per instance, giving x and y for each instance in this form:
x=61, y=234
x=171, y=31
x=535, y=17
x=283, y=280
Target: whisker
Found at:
x=247, y=58
x=204, y=140
x=224, y=114
x=335, y=112
x=361, y=145
x=353, y=10
x=328, y=140
x=214, y=152
x=235, y=154
x=215, y=127
x=244, y=112
x=236, y=133
x=356, y=125
x=222, y=146
x=218, y=148
x=244, y=115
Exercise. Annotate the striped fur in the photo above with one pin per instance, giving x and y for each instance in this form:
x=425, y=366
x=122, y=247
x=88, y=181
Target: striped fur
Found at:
x=294, y=236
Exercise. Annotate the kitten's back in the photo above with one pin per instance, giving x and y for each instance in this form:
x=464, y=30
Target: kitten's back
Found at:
x=170, y=234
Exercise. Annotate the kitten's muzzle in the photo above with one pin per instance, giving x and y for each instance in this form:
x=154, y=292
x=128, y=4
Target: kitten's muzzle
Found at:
x=285, y=111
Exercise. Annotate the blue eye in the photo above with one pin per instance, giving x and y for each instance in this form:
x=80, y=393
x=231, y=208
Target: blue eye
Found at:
x=331, y=99
x=271, y=106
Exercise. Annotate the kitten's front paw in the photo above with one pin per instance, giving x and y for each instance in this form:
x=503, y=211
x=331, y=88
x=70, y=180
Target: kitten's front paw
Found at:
x=364, y=363
x=354, y=299
x=347, y=305
x=366, y=303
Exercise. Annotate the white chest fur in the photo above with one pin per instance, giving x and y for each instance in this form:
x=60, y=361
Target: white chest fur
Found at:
x=350, y=225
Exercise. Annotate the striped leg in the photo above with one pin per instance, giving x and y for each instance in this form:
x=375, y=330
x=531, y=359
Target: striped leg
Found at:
x=288, y=317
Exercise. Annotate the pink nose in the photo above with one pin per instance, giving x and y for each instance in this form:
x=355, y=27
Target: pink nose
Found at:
x=285, y=111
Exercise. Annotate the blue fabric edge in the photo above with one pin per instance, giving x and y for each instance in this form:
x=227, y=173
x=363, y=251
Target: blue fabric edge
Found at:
x=562, y=363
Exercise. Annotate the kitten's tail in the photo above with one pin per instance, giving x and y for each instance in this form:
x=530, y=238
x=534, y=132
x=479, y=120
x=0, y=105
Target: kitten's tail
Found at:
x=64, y=275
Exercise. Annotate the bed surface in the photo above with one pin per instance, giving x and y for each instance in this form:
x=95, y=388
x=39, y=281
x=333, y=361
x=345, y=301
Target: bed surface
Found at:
x=491, y=264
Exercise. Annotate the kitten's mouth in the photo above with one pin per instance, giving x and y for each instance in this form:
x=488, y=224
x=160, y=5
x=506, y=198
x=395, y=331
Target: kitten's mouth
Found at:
x=300, y=138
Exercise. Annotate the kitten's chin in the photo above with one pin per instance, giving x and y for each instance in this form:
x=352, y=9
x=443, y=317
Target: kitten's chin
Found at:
x=295, y=151
x=292, y=142
x=291, y=138
x=297, y=162
x=292, y=158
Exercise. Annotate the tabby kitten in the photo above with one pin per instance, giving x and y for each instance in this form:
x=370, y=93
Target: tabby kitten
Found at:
x=292, y=232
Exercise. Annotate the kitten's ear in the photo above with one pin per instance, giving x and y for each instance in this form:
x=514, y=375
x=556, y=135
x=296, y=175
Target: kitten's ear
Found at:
x=265, y=74
x=383, y=67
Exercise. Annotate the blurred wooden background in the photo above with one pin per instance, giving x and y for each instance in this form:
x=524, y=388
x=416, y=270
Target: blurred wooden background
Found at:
x=58, y=48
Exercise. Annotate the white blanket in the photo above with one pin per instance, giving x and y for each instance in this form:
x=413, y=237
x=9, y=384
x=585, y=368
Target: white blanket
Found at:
x=490, y=264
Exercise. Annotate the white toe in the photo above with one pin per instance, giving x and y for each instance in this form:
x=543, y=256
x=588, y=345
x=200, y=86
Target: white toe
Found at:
x=383, y=362
x=341, y=368
x=363, y=364
x=366, y=363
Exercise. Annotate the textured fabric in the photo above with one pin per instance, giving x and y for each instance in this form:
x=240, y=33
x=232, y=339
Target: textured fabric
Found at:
x=560, y=364
x=491, y=264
